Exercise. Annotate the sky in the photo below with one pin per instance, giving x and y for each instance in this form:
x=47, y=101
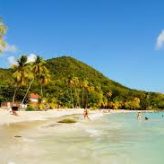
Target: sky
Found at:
x=123, y=39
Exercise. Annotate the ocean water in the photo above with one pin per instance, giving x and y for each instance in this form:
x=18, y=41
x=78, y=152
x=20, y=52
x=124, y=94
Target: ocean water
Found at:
x=111, y=139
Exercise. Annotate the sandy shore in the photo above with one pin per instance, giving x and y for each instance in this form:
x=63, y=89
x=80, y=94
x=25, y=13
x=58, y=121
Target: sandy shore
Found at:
x=23, y=116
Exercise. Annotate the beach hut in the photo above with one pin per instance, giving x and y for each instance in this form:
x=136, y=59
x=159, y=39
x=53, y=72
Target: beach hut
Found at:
x=34, y=98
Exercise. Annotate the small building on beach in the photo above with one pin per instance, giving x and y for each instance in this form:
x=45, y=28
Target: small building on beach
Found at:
x=33, y=98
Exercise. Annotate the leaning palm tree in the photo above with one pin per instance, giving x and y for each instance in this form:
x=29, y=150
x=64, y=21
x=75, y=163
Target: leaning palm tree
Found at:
x=39, y=72
x=20, y=73
x=30, y=81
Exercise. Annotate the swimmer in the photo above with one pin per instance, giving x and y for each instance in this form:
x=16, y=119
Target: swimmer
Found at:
x=146, y=118
x=139, y=115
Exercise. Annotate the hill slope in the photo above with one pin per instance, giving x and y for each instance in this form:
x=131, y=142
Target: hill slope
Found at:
x=64, y=68
x=69, y=67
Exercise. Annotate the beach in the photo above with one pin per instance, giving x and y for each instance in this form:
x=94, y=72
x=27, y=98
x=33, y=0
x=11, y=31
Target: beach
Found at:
x=37, y=137
x=26, y=116
x=23, y=116
x=117, y=137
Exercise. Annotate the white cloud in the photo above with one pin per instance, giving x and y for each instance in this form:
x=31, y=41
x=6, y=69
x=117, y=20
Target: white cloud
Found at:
x=8, y=48
x=12, y=60
x=31, y=58
x=160, y=40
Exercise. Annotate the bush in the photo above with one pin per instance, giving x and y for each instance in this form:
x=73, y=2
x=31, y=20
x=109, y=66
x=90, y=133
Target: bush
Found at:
x=42, y=106
x=30, y=108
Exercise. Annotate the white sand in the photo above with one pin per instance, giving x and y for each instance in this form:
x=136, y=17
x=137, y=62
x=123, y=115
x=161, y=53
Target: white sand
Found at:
x=7, y=118
x=23, y=116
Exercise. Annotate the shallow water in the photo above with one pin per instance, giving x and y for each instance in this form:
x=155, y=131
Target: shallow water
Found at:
x=114, y=138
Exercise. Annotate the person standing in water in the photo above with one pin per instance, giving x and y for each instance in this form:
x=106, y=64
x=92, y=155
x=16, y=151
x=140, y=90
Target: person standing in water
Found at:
x=85, y=114
x=139, y=115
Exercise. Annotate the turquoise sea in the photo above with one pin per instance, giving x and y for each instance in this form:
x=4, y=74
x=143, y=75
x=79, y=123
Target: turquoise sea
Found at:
x=111, y=139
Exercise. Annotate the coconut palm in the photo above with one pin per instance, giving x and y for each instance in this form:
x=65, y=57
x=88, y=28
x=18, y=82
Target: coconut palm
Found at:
x=40, y=73
x=75, y=84
x=3, y=30
x=70, y=85
x=85, y=89
x=44, y=79
x=21, y=73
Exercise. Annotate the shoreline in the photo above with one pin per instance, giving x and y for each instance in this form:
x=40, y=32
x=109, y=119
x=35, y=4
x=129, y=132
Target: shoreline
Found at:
x=26, y=116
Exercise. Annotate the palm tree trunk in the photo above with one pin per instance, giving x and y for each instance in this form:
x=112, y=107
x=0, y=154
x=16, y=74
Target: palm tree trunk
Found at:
x=14, y=95
x=27, y=91
x=82, y=101
x=76, y=99
x=86, y=99
x=72, y=99
x=41, y=90
x=83, y=98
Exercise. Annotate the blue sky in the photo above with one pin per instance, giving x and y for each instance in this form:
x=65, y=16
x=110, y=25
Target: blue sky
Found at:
x=118, y=38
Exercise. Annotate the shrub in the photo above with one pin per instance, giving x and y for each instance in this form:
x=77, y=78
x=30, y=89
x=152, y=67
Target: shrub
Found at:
x=30, y=108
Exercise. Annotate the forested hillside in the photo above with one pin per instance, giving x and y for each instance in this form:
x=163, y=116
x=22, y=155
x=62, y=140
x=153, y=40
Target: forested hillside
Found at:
x=75, y=84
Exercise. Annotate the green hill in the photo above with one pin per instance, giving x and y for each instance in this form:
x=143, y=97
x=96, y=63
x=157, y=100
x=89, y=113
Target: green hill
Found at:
x=66, y=67
x=75, y=84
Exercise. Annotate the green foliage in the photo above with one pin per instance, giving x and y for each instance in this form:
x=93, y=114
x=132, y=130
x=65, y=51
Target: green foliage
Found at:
x=74, y=84
x=3, y=30
x=133, y=104
x=30, y=108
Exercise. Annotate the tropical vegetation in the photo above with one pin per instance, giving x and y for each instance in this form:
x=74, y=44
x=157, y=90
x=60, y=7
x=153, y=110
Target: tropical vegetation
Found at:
x=65, y=82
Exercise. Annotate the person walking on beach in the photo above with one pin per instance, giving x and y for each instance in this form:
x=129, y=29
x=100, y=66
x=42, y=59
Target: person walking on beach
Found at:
x=86, y=114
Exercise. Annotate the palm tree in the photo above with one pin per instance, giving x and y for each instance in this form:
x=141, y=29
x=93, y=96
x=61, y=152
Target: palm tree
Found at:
x=40, y=73
x=31, y=79
x=85, y=89
x=108, y=96
x=43, y=78
x=21, y=72
x=75, y=84
x=70, y=85
x=3, y=30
